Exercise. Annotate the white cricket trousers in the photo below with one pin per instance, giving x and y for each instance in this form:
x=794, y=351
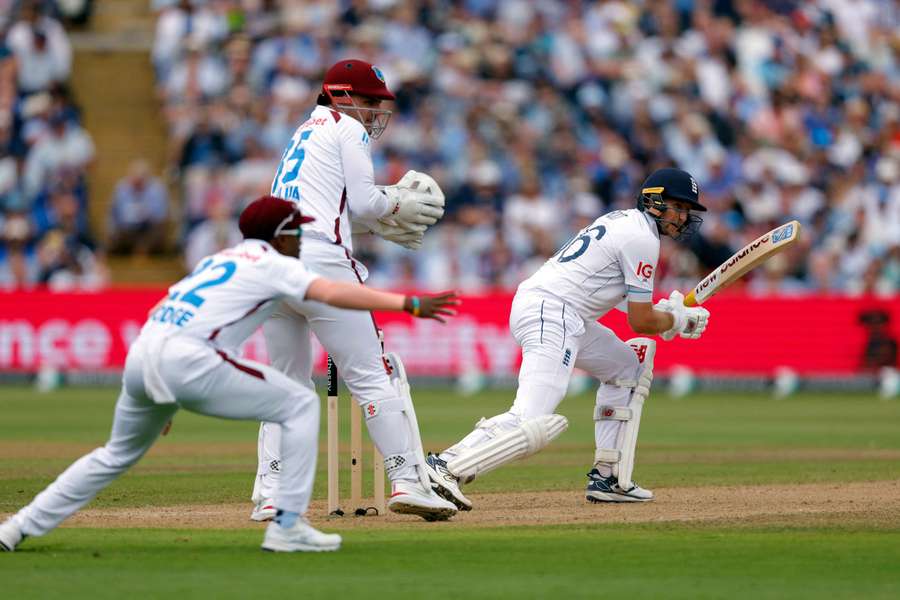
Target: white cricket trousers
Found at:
x=205, y=381
x=554, y=340
x=351, y=338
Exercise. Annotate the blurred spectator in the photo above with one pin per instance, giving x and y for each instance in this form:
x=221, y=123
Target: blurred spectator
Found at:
x=207, y=190
x=218, y=232
x=184, y=23
x=66, y=254
x=18, y=262
x=479, y=202
x=138, y=213
x=8, y=89
x=41, y=48
x=65, y=146
x=200, y=75
x=205, y=145
x=528, y=216
x=9, y=175
x=76, y=12
x=67, y=264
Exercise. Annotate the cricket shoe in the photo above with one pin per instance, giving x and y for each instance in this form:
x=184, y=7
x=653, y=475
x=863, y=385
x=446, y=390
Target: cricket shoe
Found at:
x=300, y=537
x=444, y=483
x=264, y=511
x=10, y=536
x=607, y=489
x=412, y=498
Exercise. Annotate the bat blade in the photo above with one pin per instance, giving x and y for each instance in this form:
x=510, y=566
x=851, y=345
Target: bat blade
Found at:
x=744, y=260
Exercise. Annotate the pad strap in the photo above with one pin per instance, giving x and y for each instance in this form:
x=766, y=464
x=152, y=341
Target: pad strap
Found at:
x=396, y=461
x=493, y=428
x=607, y=455
x=623, y=383
x=612, y=413
x=392, y=405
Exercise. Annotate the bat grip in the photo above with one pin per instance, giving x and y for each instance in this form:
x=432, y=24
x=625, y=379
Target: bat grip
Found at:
x=690, y=300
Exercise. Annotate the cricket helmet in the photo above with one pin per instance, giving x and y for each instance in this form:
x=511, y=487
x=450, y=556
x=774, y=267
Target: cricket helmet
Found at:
x=353, y=76
x=268, y=217
x=671, y=184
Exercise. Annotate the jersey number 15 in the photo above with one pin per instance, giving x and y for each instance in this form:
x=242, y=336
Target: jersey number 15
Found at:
x=296, y=153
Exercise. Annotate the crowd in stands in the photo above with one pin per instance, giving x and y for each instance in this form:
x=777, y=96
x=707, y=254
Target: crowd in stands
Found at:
x=537, y=117
x=44, y=156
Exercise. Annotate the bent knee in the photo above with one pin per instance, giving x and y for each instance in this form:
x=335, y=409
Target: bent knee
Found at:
x=303, y=402
x=113, y=460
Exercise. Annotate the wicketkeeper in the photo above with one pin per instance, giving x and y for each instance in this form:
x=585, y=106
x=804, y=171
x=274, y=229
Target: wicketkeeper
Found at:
x=609, y=264
x=327, y=170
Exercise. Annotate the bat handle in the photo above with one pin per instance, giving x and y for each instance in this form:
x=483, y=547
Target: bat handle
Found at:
x=690, y=300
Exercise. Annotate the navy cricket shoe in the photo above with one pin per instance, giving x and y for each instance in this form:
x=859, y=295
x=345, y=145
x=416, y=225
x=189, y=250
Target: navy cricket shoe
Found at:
x=444, y=483
x=607, y=489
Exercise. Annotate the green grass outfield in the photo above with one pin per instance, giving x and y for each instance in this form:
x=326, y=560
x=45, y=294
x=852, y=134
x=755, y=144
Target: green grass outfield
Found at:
x=703, y=441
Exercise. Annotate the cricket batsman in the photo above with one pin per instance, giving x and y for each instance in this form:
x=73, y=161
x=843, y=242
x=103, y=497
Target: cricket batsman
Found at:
x=327, y=171
x=186, y=356
x=609, y=264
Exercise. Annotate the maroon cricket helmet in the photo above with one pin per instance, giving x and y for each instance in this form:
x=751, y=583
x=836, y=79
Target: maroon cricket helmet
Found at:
x=358, y=77
x=268, y=217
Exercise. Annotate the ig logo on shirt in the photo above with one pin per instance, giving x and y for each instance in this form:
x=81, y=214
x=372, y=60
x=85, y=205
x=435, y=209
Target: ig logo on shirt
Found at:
x=644, y=270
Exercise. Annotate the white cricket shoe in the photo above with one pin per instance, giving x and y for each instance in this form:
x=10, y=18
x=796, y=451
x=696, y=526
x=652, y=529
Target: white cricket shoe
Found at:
x=10, y=536
x=301, y=537
x=607, y=489
x=412, y=498
x=264, y=511
x=444, y=483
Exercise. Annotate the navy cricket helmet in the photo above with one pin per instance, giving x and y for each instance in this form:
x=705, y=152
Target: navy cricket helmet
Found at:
x=671, y=184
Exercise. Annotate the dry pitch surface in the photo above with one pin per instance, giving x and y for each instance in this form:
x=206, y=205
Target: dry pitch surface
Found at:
x=874, y=503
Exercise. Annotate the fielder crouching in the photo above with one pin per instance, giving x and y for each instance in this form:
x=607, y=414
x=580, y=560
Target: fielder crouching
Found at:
x=609, y=264
x=186, y=356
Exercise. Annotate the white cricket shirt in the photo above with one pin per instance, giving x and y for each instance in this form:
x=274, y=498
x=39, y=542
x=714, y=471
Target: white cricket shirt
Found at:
x=327, y=170
x=611, y=260
x=230, y=294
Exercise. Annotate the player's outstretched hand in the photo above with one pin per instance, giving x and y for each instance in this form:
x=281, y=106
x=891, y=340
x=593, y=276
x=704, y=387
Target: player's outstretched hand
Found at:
x=432, y=306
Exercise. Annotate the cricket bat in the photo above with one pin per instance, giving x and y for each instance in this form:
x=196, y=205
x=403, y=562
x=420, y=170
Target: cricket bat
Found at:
x=742, y=261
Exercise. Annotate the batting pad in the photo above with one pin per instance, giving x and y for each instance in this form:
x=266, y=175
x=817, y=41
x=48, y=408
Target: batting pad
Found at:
x=524, y=440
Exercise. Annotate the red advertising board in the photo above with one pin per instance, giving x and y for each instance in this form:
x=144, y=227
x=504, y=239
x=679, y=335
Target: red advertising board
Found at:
x=746, y=336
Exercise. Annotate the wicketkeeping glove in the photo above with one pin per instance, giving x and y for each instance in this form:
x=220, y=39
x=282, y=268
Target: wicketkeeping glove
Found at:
x=422, y=182
x=408, y=237
x=417, y=198
x=411, y=207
